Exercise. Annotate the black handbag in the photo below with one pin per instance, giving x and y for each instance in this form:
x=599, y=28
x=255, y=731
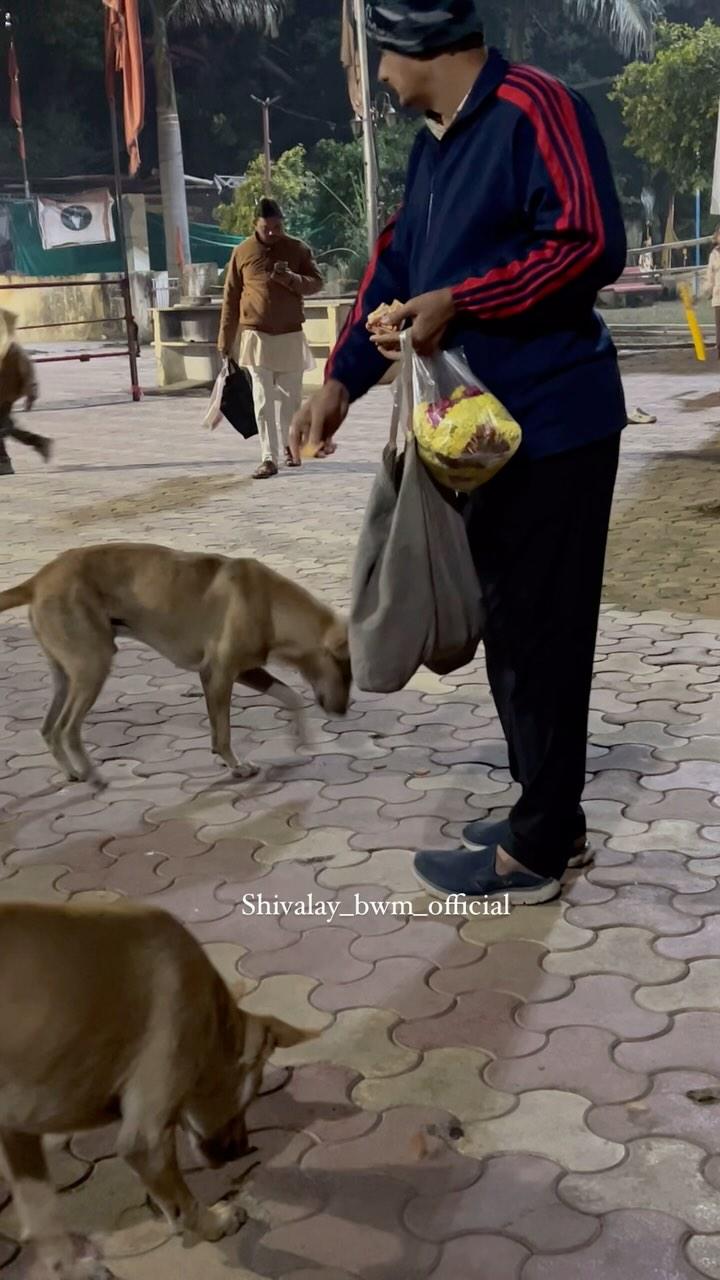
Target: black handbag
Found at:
x=237, y=401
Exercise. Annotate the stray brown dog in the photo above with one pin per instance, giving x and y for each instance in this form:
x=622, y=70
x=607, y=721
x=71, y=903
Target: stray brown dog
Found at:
x=116, y=1013
x=224, y=618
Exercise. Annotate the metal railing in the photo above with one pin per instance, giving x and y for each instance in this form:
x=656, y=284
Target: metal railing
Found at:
x=130, y=352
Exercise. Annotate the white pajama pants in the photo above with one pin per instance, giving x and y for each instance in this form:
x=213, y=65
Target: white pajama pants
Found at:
x=269, y=390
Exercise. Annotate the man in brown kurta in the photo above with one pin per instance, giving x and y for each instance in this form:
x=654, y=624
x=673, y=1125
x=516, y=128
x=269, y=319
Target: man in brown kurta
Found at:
x=269, y=275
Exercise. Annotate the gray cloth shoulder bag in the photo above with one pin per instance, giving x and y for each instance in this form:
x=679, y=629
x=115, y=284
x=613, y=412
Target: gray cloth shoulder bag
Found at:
x=415, y=594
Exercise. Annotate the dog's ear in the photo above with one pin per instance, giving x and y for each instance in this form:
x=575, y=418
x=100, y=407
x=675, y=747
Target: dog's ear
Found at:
x=284, y=1036
x=336, y=639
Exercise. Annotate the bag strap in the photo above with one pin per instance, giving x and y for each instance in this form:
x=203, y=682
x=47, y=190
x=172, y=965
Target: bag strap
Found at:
x=403, y=398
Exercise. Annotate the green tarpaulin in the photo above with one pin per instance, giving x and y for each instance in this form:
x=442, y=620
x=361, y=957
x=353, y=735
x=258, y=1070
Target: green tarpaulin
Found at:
x=207, y=244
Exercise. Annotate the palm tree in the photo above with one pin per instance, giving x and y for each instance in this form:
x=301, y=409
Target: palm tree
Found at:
x=236, y=13
x=629, y=23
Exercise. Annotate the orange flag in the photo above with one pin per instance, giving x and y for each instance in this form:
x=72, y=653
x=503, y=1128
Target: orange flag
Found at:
x=349, y=57
x=123, y=52
x=15, y=100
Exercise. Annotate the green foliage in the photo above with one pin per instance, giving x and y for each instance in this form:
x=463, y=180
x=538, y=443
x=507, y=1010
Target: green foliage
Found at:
x=292, y=187
x=670, y=105
x=322, y=195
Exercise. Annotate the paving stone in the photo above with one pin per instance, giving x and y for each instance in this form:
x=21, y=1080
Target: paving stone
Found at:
x=363, y=909
x=704, y=1253
x=661, y=1173
x=389, y=868
x=694, y=946
x=575, y=1060
x=674, y=835
x=320, y=954
x=315, y=1100
x=699, y=989
x=597, y=1000
x=479, y=1019
x=666, y=869
x=545, y=1122
x=331, y=842
x=422, y=939
x=287, y=996
x=484, y=1257
x=398, y=984
x=689, y=804
x=646, y=906
x=548, y=927
x=446, y=1078
x=37, y=884
x=627, y=951
x=690, y=1044
x=225, y=957
x=516, y=1196
x=360, y=1221
x=666, y=1109
x=359, y=1039
x=641, y=1244
x=513, y=967
x=699, y=905
x=175, y=1261
x=409, y=1143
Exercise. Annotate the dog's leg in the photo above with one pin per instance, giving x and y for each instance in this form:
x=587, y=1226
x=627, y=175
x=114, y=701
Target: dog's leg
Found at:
x=60, y=688
x=60, y=692
x=217, y=688
x=262, y=682
x=85, y=685
x=37, y=1207
x=159, y=1170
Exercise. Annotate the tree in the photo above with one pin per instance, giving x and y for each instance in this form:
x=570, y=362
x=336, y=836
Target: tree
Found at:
x=292, y=187
x=237, y=13
x=670, y=105
x=339, y=206
x=628, y=23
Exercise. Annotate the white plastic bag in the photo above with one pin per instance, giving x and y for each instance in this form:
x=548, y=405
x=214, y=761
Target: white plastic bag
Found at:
x=214, y=413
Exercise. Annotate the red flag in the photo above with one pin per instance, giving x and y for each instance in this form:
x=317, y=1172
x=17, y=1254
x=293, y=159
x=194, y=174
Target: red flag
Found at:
x=15, y=100
x=123, y=53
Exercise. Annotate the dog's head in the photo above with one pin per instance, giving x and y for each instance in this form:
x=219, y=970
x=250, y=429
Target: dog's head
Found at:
x=216, y=1115
x=327, y=669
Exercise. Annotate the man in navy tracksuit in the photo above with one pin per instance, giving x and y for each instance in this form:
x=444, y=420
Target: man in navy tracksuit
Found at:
x=509, y=228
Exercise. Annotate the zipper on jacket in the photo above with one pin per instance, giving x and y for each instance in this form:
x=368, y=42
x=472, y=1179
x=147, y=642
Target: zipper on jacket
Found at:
x=430, y=210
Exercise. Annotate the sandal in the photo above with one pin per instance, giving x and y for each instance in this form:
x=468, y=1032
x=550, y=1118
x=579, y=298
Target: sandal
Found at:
x=639, y=417
x=265, y=471
x=289, y=460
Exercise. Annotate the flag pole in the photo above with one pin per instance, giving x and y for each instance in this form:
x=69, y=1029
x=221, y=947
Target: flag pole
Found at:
x=369, y=151
x=16, y=102
x=130, y=323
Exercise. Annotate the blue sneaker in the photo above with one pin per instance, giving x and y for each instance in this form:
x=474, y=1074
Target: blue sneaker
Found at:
x=479, y=835
x=471, y=874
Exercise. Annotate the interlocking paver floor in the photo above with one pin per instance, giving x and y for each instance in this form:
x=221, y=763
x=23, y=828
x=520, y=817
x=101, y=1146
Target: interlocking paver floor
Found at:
x=510, y=1098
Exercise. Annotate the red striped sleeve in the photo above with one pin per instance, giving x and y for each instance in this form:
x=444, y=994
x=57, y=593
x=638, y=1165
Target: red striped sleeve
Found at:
x=357, y=315
x=575, y=238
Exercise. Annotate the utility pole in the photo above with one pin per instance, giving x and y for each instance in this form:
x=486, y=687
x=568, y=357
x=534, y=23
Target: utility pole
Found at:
x=16, y=102
x=369, y=150
x=265, y=104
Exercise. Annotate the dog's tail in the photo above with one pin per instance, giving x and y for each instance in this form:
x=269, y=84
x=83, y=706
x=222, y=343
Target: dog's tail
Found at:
x=16, y=597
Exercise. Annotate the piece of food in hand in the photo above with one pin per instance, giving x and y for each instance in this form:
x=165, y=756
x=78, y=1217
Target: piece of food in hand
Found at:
x=466, y=437
x=379, y=320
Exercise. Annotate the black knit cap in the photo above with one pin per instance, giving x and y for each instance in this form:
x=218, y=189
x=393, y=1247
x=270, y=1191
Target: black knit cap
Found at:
x=417, y=27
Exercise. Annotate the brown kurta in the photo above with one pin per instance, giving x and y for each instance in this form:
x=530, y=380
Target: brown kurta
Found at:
x=254, y=300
